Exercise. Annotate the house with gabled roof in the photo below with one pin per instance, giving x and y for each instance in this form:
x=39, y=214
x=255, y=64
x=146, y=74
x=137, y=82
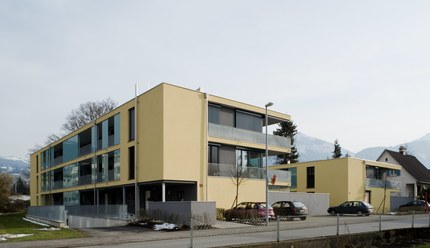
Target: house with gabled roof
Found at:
x=415, y=176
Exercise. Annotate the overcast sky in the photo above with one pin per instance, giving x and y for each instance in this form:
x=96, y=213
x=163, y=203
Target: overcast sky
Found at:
x=356, y=71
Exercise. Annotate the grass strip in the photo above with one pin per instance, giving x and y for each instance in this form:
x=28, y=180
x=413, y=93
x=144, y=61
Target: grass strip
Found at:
x=14, y=224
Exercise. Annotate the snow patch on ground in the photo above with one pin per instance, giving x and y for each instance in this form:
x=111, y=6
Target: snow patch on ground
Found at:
x=35, y=222
x=4, y=237
x=49, y=229
x=165, y=226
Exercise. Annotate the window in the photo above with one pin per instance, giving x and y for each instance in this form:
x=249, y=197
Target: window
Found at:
x=85, y=142
x=213, y=156
x=213, y=114
x=131, y=162
x=70, y=148
x=293, y=177
x=249, y=121
x=249, y=158
x=58, y=154
x=310, y=177
x=37, y=163
x=131, y=124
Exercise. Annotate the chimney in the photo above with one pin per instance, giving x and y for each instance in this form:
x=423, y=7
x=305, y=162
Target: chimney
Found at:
x=403, y=150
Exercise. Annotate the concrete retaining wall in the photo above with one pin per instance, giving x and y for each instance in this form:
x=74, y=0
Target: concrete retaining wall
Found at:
x=180, y=212
x=317, y=203
x=389, y=238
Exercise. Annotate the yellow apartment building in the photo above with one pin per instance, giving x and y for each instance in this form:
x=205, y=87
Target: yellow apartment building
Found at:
x=347, y=179
x=167, y=144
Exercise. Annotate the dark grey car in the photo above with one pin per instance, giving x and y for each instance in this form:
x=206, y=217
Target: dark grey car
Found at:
x=290, y=209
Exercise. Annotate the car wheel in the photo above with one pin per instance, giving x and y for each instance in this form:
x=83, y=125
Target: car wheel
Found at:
x=303, y=218
x=333, y=212
x=359, y=213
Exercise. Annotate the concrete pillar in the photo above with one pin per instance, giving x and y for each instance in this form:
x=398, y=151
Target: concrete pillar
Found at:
x=123, y=195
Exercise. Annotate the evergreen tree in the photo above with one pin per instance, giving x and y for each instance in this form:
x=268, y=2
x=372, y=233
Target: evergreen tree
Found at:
x=20, y=186
x=287, y=129
x=337, y=153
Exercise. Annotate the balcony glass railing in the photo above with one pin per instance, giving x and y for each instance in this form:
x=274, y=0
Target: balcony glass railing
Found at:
x=225, y=170
x=378, y=183
x=232, y=133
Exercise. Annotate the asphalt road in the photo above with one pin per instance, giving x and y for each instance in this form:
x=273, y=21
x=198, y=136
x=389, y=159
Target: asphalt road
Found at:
x=233, y=233
x=289, y=230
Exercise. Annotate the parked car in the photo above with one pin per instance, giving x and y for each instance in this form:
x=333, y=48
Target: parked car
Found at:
x=418, y=205
x=248, y=210
x=290, y=209
x=352, y=207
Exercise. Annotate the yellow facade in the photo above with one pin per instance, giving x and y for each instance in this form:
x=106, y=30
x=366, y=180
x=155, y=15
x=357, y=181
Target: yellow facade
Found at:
x=346, y=179
x=171, y=159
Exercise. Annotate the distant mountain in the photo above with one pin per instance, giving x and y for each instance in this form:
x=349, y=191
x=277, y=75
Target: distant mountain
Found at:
x=419, y=148
x=311, y=148
x=17, y=167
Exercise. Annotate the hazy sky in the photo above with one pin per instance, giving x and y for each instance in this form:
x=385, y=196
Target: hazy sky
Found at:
x=356, y=71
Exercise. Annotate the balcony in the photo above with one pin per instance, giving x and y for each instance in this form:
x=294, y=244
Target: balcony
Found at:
x=231, y=133
x=225, y=170
x=378, y=183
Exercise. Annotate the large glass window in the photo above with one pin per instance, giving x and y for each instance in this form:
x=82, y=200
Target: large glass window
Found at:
x=44, y=158
x=45, y=180
x=71, y=198
x=70, y=175
x=249, y=121
x=293, y=177
x=242, y=158
x=249, y=158
x=58, y=154
x=58, y=179
x=131, y=124
x=85, y=142
x=70, y=149
x=117, y=165
x=85, y=172
x=105, y=134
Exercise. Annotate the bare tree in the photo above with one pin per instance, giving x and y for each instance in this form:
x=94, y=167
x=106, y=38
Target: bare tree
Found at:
x=6, y=181
x=238, y=176
x=86, y=113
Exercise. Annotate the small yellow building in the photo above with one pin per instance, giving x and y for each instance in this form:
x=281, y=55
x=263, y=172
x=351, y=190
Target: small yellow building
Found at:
x=167, y=144
x=347, y=179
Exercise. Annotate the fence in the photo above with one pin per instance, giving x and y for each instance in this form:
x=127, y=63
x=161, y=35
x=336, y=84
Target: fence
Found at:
x=244, y=232
x=59, y=215
x=53, y=213
x=100, y=211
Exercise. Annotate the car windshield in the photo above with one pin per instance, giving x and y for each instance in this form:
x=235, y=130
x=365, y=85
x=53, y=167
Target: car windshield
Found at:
x=367, y=205
x=299, y=204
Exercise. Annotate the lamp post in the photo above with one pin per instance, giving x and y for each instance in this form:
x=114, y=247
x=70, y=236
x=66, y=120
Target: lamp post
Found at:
x=267, y=179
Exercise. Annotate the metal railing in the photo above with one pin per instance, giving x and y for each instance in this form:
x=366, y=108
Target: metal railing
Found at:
x=225, y=170
x=231, y=133
x=100, y=211
x=54, y=213
x=377, y=183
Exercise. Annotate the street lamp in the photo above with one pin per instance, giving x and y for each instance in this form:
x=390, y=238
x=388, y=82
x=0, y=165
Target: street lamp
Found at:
x=267, y=179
